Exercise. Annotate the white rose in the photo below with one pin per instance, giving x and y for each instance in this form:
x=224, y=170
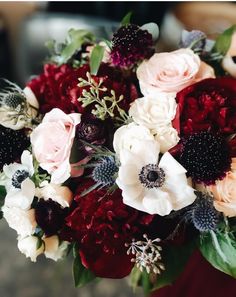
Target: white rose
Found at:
x=30, y=247
x=58, y=193
x=54, y=250
x=167, y=137
x=154, y=111
x=133, y=138
x=23, y=221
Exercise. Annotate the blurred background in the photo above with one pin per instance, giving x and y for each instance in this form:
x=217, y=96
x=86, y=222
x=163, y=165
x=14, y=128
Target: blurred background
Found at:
x=24, y=29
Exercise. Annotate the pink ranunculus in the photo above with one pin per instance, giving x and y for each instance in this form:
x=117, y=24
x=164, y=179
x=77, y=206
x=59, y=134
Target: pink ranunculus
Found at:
x=52, y=141
x=172, y=71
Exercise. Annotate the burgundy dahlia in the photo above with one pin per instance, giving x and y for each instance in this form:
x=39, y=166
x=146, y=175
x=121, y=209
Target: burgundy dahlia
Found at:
x=209, y=105
x=58, y=87
x=102, y=224
x=131, y=44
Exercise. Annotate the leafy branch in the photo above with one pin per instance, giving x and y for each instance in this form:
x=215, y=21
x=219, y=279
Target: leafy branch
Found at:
x=105, y=106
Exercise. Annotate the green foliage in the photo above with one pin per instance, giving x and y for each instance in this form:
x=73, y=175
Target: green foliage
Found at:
x=126, y=19
x=2, y=195
x=96, y=58
x=82, y=275
x=223, y=41
x=174, y=258
x=141, y=278
x=2, y=198
x=105, y=106
x=220, y=249
x=62, y=53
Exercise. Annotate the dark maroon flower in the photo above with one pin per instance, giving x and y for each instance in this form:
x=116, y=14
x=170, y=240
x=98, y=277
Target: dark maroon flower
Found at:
x=131, y=44
x=58, y=87
x=12, y=144
x=102, y=224
x=209, y=105
x=50, y=216
x=205, y=156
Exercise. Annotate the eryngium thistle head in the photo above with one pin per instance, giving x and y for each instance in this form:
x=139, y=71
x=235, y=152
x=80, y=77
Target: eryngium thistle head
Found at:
x=195, y=39
x=203, y=214
x=130, y=44
x=103, y=173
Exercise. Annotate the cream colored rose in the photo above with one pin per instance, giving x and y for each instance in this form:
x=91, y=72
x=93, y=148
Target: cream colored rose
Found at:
x=54, y=249
x=224, y=192
x=172, y=71
x=29, y=247
x=167, y=137
x=133, y=138
x=23, y=221
x=58, y=193
x=154, y=111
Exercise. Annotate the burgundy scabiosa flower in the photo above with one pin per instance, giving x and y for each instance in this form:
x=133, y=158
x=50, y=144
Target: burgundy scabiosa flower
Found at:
x=130, y=44
x=102, y=224
x=205, y=156
x=12, y=144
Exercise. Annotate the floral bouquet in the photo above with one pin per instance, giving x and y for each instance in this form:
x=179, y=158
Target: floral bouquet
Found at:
x=123, y=156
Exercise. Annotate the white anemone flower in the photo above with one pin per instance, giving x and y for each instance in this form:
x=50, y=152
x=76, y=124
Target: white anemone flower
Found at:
x=151, y=186
x=20, y=188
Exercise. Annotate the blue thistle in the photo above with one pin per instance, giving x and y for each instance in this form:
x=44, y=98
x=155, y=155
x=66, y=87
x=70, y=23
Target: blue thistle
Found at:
x=194, y=39
x=103, y=173
x=203, y=214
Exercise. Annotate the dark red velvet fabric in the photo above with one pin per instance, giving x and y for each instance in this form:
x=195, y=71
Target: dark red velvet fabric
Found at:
x=200, y=279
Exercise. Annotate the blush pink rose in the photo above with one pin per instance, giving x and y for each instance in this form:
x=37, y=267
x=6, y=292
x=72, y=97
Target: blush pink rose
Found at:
x=172, y=72
x=52, y=141
x=224, y=192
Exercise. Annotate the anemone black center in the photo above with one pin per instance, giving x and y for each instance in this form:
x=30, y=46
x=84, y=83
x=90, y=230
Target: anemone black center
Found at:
x=18, y=177
x=234, y=59
x=152, y=176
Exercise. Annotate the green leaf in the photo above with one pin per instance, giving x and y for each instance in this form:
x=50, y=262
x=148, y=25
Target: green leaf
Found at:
x=223, y=41
x=2, y=195
x=82, y=275
x=174, y=258
x=146, y=283
x=75, y=40
x=135, y=277
x=96, y=58
x=220, y=249
x=126, y=19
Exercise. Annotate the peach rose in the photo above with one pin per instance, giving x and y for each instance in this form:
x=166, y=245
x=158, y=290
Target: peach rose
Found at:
x=224, y=192
x=172, y=72
x=52, y=141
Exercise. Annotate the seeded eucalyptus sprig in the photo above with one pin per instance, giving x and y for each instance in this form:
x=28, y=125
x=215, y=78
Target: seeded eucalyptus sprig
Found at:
x=105, y=106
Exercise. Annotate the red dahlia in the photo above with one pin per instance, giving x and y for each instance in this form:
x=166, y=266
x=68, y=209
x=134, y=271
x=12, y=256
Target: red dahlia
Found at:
x=58, y=87
x=209, y=105
x=102, y=224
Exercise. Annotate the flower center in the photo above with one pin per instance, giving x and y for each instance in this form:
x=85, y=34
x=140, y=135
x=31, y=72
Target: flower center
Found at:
x=18, y=177
x=152, y=176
